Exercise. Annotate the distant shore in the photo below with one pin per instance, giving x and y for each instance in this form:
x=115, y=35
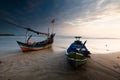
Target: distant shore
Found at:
x=7, y=35
x=51, y=64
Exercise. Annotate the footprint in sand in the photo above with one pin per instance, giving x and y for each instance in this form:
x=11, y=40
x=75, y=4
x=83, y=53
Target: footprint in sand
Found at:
x=0, y=62
x=118, y=57
x=117, y=66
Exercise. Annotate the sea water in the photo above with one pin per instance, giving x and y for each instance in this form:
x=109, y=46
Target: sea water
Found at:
x=8, y=45
x=94, y=45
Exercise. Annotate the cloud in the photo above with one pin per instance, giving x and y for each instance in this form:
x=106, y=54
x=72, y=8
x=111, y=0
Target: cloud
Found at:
x=92, y=11
x=38, y=13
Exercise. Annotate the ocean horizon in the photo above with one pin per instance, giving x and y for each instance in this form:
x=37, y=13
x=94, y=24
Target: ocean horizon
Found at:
x=95, y=45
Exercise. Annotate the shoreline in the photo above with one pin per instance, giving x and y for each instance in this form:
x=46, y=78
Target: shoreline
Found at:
x=51, y=63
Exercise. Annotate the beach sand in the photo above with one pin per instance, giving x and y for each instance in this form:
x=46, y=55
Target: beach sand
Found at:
x=51, y=64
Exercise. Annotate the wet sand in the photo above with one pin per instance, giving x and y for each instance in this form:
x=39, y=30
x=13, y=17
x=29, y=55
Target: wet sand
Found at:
x=51, y=64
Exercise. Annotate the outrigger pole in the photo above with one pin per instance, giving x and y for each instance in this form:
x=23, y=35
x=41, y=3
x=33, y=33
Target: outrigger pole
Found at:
x=29, y=29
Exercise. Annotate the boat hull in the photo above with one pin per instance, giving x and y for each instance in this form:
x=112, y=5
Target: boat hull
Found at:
x=76, y=59
x=32, y=47
x=77, y=53
x=29, y=46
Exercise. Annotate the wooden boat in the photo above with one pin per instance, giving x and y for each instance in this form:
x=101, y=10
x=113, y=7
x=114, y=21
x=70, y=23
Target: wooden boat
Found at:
x=32, y=46
x=29, y=46
x=77, y=53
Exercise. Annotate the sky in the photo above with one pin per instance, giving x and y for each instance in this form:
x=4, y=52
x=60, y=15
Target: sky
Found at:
x=89, y=18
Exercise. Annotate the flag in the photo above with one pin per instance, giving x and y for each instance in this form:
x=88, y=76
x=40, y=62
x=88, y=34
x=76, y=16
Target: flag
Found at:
x=53, y=21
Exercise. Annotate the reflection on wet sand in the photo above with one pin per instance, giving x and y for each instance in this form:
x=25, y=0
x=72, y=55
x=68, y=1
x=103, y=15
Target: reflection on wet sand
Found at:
x=51, y=64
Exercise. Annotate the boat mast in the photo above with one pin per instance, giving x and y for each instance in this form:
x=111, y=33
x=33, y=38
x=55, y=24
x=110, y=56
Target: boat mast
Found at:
x=48, y=33
x=53, y=21
x=26, y=35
